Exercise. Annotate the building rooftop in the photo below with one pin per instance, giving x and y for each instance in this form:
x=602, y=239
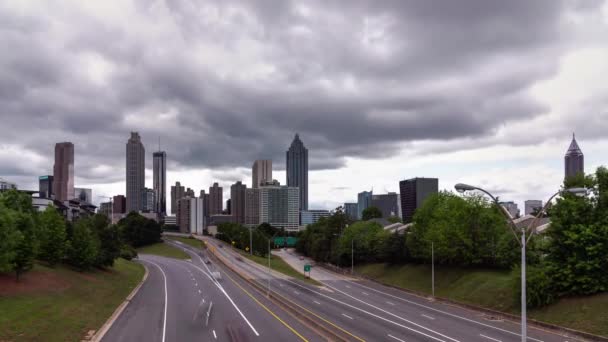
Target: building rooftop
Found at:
x=574, y=149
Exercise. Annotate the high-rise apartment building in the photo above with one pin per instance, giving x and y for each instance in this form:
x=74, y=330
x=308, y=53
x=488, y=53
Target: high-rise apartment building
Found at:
x=252, y=207
x=387, y=203
x=351, y=211
x=177, y=193
x=120, y=204
x=279, y=206
x=511, y=208
x=136, y=169
x=189, y=193
x=197, y=218
x=237, y=201
x=148, y=200
x=215, y=199
x=312, y=216
x=297, y=170
x=45, y=186
x=364, y=201
x=205, y=198
x=531, y=206
x=183, y=214
x=413, y=194
x=228, y=210
x=63, y=171
x=261, y=171
x=159, y=181
x=574, y=160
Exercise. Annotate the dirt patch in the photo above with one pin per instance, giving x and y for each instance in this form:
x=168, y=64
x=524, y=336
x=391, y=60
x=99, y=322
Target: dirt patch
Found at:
x=34, y=281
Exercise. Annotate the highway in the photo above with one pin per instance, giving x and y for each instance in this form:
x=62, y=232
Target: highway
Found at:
x=178, y=296
x=366, y=311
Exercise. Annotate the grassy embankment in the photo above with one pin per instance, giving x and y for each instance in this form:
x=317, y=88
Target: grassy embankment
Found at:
x=492, y=289
x=163, y=249
x=188, y=241
x=60, y=304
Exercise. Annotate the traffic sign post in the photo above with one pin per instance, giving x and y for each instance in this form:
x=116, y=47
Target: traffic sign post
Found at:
x=307, y=269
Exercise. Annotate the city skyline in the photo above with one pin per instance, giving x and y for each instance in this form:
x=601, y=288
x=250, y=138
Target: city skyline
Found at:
x=373, y=109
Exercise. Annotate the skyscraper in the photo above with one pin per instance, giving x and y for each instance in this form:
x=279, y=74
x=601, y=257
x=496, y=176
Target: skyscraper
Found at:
x=387, y=203
x=261, y=171
x=252, y=207
x=148, y=200
x=159, y=176
x=205, y=198
x=364, y=201
x=120, y=204
x=136, y=167
x=63, y=171
x=413, y=193
x=574, y=161
x=237, y=201
x=297, y=169
x=351, y=209
x=45, y=186
x=279, y=206
x=215, y=199
x=177, y=193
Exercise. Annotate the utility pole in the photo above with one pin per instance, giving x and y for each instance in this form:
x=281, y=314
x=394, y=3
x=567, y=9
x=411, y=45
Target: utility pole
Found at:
x=352, y=256
x=250, y=241
x=433, y=267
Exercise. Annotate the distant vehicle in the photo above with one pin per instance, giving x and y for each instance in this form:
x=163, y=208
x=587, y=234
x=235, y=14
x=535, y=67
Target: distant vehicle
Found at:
x=301, y=258
x=207, y=261
x=220, y=246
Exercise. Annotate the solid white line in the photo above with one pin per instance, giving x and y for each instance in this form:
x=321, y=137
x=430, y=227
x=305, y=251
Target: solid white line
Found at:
x=214, y=335
x=398, y=339
x=392, y=314
x=165, y=314
x=489, y=338
x=444, y=312
x=347, y=316
x=316, y=302
x=427, y=316
x=367, y=312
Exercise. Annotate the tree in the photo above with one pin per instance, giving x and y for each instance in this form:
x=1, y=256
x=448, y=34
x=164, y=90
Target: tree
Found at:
x=83, y=247
x=371, y=213
x=16, y=200
x=9, y=238
x=138, y=231
x=53, y=236
x=109, y=240
x=394, y=219
x=25, y=251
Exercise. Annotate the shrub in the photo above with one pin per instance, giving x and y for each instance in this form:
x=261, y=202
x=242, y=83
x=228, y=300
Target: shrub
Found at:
x=539, y=288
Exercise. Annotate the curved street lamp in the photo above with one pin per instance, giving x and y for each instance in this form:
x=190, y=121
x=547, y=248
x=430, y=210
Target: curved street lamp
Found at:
x=462, y=188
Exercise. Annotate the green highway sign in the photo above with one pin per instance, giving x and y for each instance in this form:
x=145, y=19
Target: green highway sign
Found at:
x=307, y=268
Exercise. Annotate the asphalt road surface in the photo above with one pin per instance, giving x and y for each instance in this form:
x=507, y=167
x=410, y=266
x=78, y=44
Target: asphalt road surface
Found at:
x=178, y=296
x=367, y=311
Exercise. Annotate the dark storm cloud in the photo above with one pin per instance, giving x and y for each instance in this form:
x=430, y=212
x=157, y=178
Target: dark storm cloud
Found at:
x=353, y=78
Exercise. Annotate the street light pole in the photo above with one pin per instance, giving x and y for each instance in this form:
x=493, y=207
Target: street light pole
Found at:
x=577, y=191
x=268, y=292
x=250, y=241
x=433, y=267
x=352, y=256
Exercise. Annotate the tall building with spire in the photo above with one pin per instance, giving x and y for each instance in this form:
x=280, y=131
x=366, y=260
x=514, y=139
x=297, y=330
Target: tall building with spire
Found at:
x=63, y=171
x=136, y=177
x=159, y=180
x=574, y=160
x=297, y=169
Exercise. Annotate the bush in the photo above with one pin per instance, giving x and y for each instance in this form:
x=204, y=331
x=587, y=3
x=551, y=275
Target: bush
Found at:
x=539, y=288
x=127, y=252
x=83, y=247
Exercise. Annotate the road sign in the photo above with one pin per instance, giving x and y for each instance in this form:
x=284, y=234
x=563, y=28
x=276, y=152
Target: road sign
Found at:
x=307, y=268
x=247, y=249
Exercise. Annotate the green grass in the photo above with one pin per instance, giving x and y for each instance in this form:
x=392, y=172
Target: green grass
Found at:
x=279, y=265
x=83, y=302
x=165, y=250
x=492, y=289
x=191, y=242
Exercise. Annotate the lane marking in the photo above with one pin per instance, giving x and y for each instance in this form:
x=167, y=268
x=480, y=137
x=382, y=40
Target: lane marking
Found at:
x=316, y=302
x=490, y=338
x=445, y=313
x=365, y=293
x=214, y=335
x=427, y=316
x=296, y=292
x=348, y=286
x=398, y=339
x=390, y=303
x=196, y=284
x=199, y=291
x=165, y=314
x=347, y=316
x=266, y=308
x=392, y=314
x=369, y=313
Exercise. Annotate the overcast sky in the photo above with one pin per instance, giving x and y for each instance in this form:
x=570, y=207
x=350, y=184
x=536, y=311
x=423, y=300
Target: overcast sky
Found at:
x=476, y=91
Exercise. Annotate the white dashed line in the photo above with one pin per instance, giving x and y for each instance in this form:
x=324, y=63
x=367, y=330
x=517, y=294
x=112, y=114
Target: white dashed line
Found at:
x=398, y=339
x=490, y=338
x=214, y=335
x=390, y=303
x=348, y=286
x=427, y=316
x=347, y=316
x=316, y=302
x=199, y=291
x=365, y=293
x=296, y=292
